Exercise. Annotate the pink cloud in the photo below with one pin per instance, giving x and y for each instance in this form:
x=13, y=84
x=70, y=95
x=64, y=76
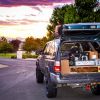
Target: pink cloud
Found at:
x=31, y=2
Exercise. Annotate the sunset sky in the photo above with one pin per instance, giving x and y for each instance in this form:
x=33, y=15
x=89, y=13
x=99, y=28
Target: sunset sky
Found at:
x=24, y=18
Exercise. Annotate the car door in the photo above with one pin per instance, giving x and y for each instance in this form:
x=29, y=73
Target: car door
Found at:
x=42, y=57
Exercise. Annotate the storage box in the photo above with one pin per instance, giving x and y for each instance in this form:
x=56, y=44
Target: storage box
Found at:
x=65, y=69
x=93, y=55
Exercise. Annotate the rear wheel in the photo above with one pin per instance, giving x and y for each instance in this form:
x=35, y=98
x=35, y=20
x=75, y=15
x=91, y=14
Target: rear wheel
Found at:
x=95, y=89
x=39, y=76
x=51, y=89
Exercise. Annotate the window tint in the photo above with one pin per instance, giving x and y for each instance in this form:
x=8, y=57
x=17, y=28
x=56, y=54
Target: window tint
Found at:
x=51, y=48
x=46, y=50
x=66, y=46
x=85, y=46
x=95, y=45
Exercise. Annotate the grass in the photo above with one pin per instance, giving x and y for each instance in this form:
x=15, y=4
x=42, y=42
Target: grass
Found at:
x=7, y=55
x=14, y=55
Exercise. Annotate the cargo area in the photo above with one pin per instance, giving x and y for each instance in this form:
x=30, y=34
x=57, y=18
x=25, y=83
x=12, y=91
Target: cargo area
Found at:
x=80, y=57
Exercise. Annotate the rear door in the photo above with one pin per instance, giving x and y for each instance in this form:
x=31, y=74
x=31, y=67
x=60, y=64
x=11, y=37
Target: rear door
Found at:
x=82, y=31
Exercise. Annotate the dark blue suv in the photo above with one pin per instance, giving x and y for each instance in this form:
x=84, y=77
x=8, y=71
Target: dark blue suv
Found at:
x=71, y=59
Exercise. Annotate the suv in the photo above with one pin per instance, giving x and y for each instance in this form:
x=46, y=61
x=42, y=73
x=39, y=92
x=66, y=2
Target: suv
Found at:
x=73, y=59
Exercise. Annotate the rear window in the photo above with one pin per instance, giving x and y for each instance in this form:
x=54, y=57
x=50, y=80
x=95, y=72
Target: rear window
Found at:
x=81, y=31
x=78, y=47
x=67, y=46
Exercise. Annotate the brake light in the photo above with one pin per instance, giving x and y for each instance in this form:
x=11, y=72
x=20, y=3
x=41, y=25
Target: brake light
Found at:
x=88, y=87
x=57, y=68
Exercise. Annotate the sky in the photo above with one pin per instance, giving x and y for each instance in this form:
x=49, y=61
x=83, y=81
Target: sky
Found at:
x=25, y=18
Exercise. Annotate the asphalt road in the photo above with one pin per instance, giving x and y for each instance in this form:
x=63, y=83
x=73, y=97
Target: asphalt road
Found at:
x=17, y=82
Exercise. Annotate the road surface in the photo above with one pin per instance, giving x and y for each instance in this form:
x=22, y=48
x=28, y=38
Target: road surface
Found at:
x=17, y=82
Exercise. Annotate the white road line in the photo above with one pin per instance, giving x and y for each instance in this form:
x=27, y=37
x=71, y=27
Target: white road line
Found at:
x=3, y=66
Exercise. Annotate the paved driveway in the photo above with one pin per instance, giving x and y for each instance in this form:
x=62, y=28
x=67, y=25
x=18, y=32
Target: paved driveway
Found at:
x=17, y=82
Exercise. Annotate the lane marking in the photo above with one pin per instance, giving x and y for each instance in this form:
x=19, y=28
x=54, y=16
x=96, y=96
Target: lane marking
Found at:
x=3, y=66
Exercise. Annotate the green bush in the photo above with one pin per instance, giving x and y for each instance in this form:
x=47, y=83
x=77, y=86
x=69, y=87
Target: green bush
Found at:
x=29, y=56
x=13, y=57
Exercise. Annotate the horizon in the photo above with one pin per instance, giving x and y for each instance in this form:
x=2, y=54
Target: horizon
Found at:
x=23, y=18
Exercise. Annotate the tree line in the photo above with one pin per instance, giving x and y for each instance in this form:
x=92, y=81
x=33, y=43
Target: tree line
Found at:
x=30, y=44
x=81, y=11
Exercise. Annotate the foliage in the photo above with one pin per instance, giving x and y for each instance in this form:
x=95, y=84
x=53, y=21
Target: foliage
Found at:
x=57, y=16
x=97, y=16
x=85, y=9
x=15, y=44
x=5, y=47
x=29, y=44
x=71, y=15
x=50, y=32
x=3, y=39
x=13, y=57
x=24, y=56
x=81, y=11
x=7, y=55
x=43, y=42
x=32, y=44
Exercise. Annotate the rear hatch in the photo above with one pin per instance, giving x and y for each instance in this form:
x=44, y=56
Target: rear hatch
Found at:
x=80, y=49
x=82, y=31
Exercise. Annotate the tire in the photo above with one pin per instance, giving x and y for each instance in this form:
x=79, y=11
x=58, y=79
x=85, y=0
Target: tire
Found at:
x=96, y=89
x=51, y=89
x=39, y=76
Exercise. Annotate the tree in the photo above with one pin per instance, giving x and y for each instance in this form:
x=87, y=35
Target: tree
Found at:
x=50, y=32
x=3, y=39
x=44, y=40
x=57, y=16
x=81, y=11
x=97, y=16
x=71, y=15
x=29, y=44
x=63, y=15
x=85, y=9
x=15, y=44
x=5, y=47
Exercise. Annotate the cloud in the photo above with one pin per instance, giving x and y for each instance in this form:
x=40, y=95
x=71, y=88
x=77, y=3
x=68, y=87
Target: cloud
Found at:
x=22, y=18
x=19, y=22
x=24, y=15
x=31, y=2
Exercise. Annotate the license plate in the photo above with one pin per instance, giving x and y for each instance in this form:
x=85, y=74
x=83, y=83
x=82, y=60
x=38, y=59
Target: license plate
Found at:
x=79, y=63
x=98, y=62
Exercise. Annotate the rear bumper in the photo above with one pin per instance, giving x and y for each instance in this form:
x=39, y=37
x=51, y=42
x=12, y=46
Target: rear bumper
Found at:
x=86, y=78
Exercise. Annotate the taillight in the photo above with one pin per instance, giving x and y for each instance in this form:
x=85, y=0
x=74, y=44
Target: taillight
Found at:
x=57, y=68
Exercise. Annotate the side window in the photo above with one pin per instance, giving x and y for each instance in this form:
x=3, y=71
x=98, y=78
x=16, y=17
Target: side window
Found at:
x=46, y=49
x=51, y=48
x=86, y=46
x=96, y=46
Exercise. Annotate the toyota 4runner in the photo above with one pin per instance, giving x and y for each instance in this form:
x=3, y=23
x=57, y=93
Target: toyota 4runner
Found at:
x=72, y=59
